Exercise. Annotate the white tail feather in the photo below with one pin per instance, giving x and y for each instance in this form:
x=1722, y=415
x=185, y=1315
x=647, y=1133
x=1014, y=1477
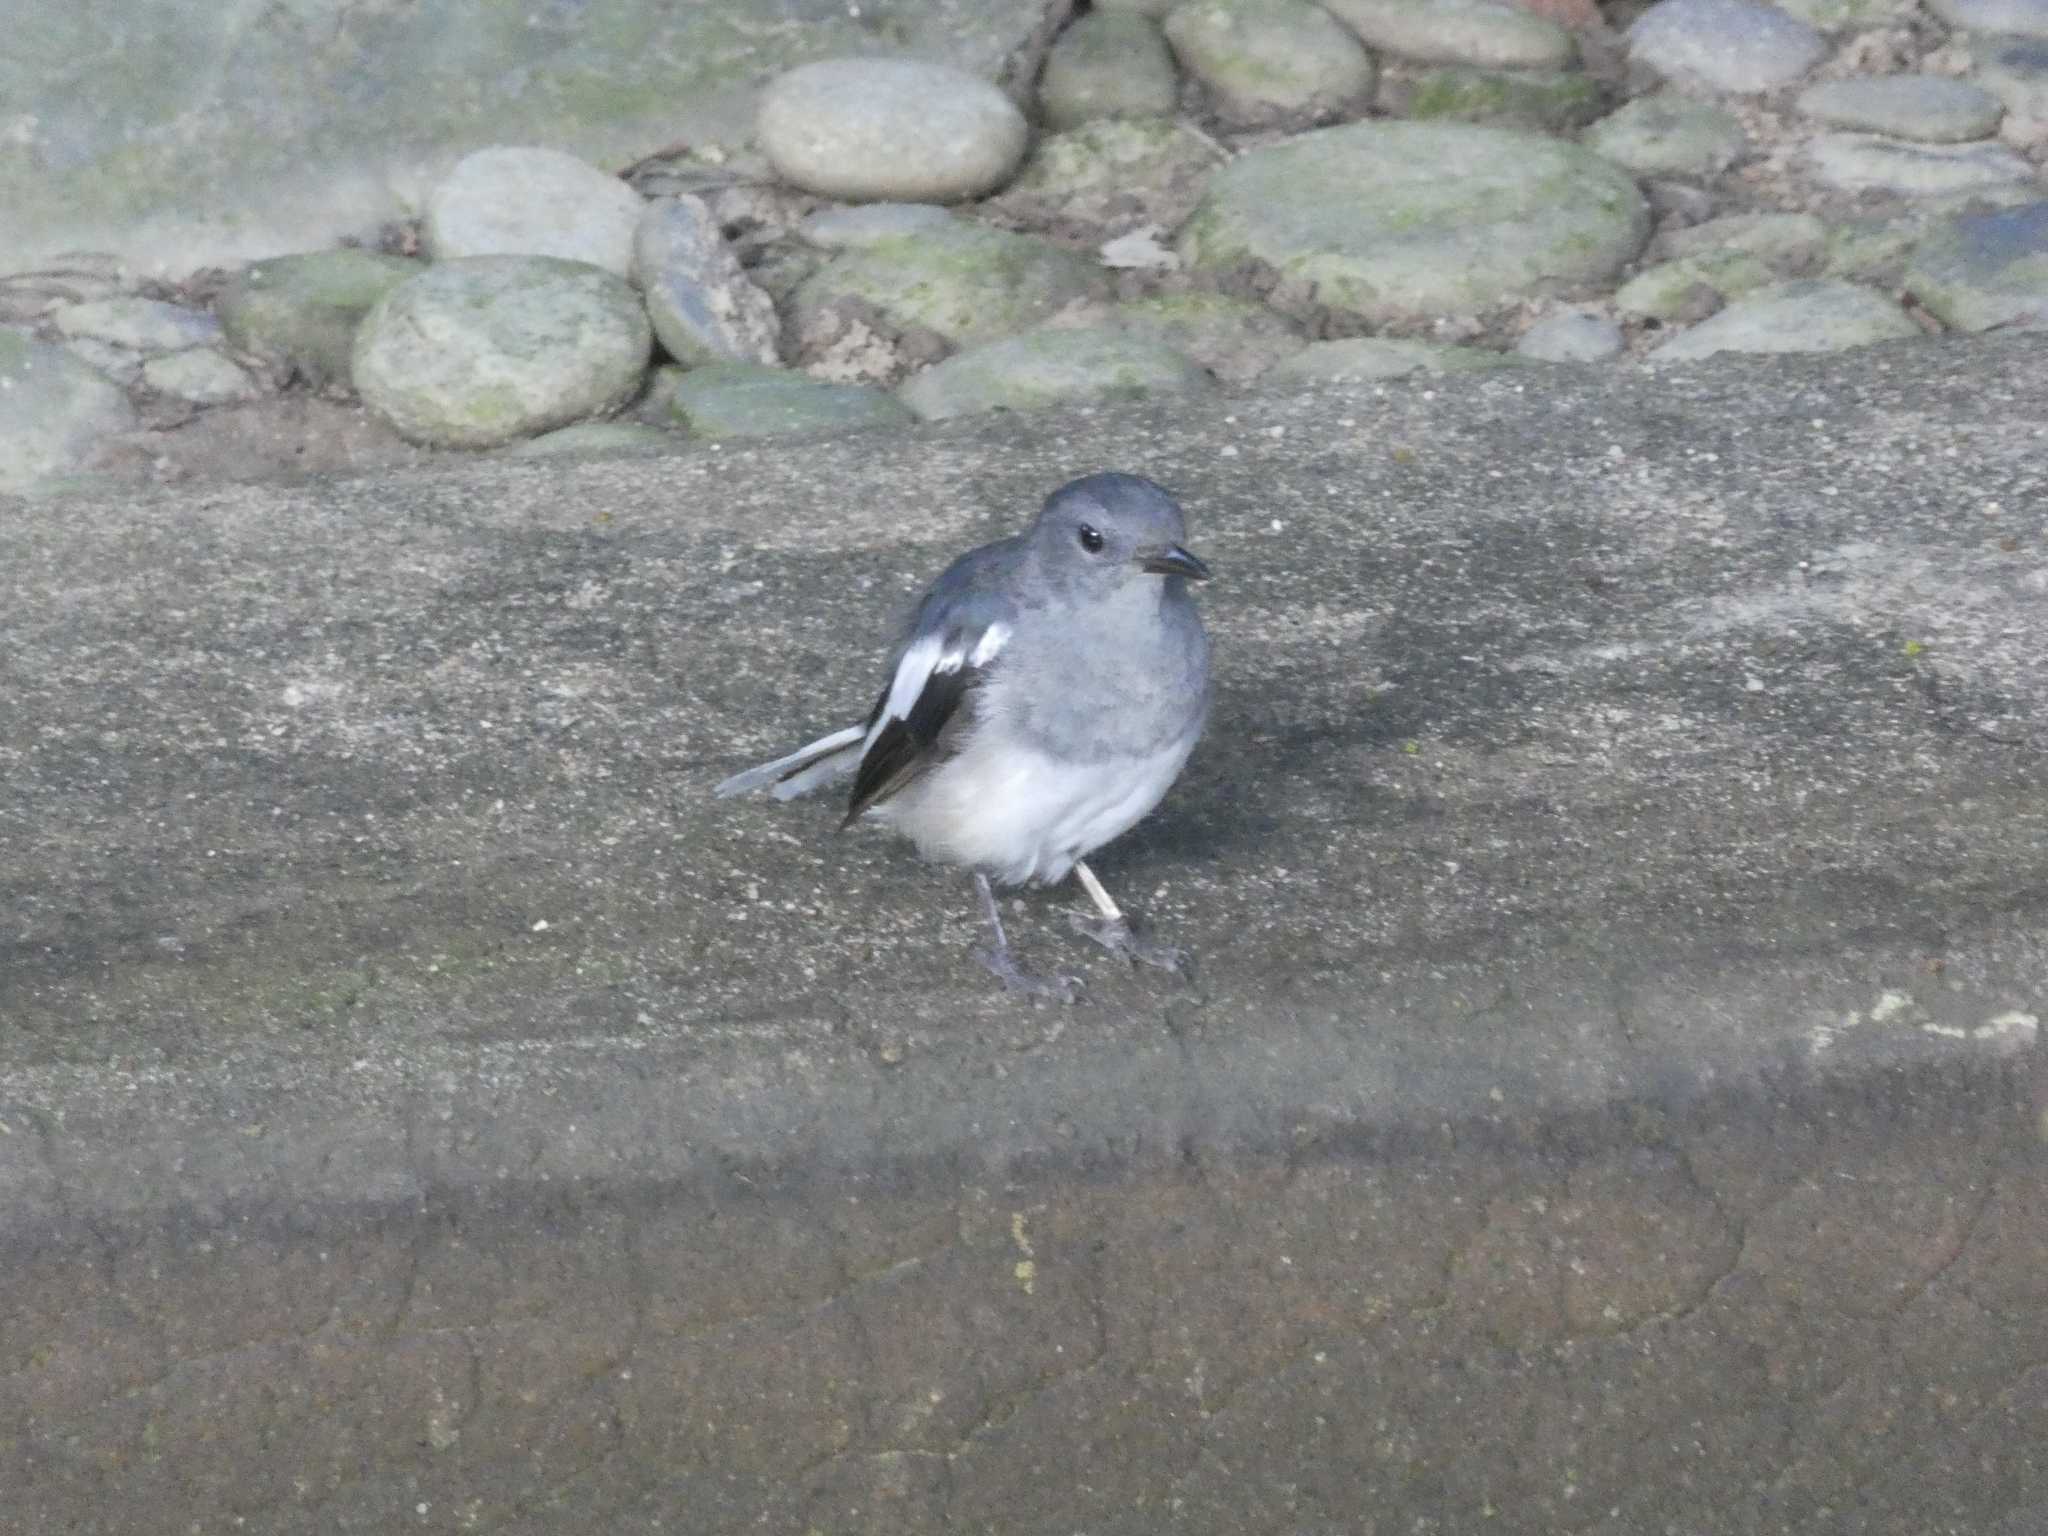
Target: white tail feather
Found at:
x=806, y=768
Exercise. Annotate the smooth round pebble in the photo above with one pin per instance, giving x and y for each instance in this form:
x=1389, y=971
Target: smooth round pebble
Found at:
x=1107, y=64
x=1382, y=222
x=1691, y=286
x=1791, y=242
x=1112, y=173
x=1478, y=32
x=2019, y=18
x=303, y=310
x=1571, y=336
x=476, y=352
x=1740, y=46
x=1048, y=368
x=865, y=224
x=2015, y=70
x=1979, y=271
x=890, y=130
x=1810, y=315
x=967, y=283
x=146, y=325
x=1667, y=134
x=1378, y=357
x=704, y=308
x=1234, y=339
x=1933, y=108
x=1556, y=100
x=1267, y=62
x=54, y=410
x=1858, y=162
x=201, y=376
x=748, y=400
x=121, y=364
x=517, y=200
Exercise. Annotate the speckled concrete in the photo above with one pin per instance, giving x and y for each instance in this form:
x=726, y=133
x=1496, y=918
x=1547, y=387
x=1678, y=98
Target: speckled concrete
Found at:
x=1616, y=877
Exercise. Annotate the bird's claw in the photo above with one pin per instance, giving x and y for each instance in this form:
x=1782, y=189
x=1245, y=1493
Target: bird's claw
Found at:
x=1002, y=964
x=1116, y=935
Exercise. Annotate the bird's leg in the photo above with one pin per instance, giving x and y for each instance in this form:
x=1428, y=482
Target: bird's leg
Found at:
x=1112, y=930
x=1001, y=960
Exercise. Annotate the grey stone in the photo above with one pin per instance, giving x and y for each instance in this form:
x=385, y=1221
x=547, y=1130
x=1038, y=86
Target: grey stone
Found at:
x=1668, y=134
x=748, y=400
x=1381, y=222
x=1110, y=176
x=890, y=130
x=965, y=283
x=121, y=364
x=2022, y=18
x=201, y=376
x=53, y=410
x=1930, y=107
x=1807, y=315
x=1857, y=162
x=1556, y=100
x=303, y=311
x=1266, y=62
x=1985, y=271
x=595, y=437
x=1477, y=32
x=1049, y=368
x=146, y=325
x=514, y=200
x=1789, y=242
x=1731, y=45
x=477, y=352
x=183, y=135
x=865, y=224
x=1571, y=336
x=1108, y=64
x=1156, y=9
x=1374, y=357
x=703, y=306
x=2015, y=70
x=1234, y=339
x=1671, y=290
x=1848, y=15
x=1875, y=249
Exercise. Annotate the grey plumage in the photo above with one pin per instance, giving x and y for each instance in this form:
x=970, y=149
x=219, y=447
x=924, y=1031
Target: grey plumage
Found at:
x=1044, y=696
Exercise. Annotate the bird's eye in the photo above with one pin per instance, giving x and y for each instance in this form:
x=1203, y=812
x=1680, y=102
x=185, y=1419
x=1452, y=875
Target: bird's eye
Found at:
x=1090, y=540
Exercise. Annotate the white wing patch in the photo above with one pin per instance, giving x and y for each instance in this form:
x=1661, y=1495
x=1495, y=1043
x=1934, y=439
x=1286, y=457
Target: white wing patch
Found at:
x=930, y=656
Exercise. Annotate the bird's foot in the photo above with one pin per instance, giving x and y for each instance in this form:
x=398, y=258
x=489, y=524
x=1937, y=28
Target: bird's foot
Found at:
x=1116, y=935
x=1002, y=964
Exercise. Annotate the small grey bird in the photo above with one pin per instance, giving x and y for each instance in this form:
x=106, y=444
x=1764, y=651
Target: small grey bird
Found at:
x=1046, y=694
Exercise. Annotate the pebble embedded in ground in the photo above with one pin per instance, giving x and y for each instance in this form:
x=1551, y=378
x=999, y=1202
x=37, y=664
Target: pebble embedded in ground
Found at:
x=518, y=200
x=1806, y=315
x=704, y=308
x=1933, y=108
x=1271, y=62
x=1108, y=64
x=1985, y=271
x=478, y=352
x=1398, y=222
x=1740, y=46
x=890, y=130
x=1046, y=368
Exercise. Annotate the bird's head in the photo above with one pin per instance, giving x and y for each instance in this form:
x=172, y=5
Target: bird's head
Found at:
x=1111, y=531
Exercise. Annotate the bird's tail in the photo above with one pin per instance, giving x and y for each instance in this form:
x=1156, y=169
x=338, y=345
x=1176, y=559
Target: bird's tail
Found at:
x=826, y=759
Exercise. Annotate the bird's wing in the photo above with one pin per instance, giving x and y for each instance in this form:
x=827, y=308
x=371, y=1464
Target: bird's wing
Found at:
x=955, y=644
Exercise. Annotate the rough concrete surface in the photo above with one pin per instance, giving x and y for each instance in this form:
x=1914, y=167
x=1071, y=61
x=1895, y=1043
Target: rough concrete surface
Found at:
x=1607, y=1100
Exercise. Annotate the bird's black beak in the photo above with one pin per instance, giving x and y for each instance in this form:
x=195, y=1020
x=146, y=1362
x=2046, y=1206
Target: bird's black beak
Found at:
x=1172, y=560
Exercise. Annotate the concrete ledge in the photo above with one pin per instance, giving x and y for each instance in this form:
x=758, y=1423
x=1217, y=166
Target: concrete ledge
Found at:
x=1607, y=1101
